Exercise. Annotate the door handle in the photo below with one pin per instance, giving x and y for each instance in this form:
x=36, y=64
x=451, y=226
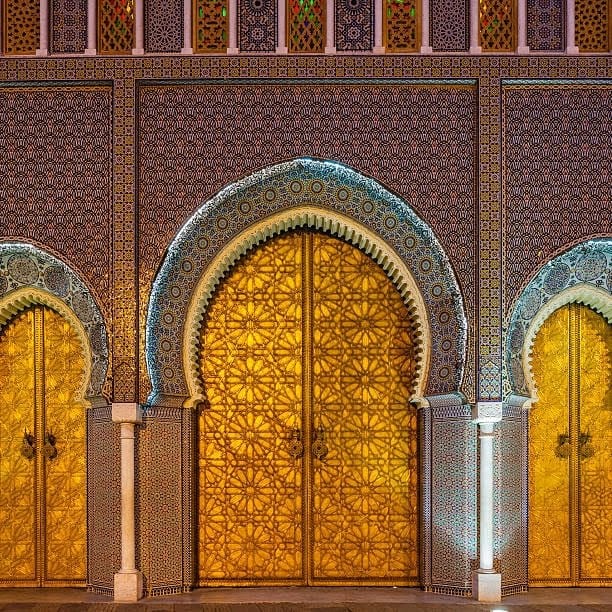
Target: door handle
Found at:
x=28, y=445
x=586, y=448
x=564, y=446
x=319, y=446
x=295, y=444
x=49, y=449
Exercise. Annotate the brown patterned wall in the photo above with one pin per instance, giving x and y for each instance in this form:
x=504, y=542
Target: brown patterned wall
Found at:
x=557, y=173
x=417, y=140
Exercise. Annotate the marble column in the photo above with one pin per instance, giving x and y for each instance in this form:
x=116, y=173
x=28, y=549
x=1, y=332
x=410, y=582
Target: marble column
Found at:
x=281, y=22
x=128, y=580
x=475, y=47
x=138, y=28
x=570, y=28
x=425, y=47
x=187, y=48
x=43, y=41
x=92, y=8
x=330, y=27
x=378, y=27
x=486, y=582
x=522, y=47
x=232, y=48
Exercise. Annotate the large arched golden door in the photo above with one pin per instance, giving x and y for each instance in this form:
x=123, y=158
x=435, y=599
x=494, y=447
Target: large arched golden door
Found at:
x=570, y=451
x=42, y=452
x=307, y=442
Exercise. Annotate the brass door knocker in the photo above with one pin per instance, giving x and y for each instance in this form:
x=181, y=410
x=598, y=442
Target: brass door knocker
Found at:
x=564, y=446
x=586, y=448
x=49, y=449
x=295, y=445
x=28, y=445
x=319, y=447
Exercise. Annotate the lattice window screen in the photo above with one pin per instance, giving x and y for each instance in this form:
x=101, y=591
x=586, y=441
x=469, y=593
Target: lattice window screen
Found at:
x=257, y=25
x=164, y=25
x=546, y=25
x=450, y=26
x=593, y=25
x=354, y=25
x=306, y=26
x=115, y=26
x=68, y=32
x=401, y=25
x=211, y=32
x=20, y=27
x=497, y=25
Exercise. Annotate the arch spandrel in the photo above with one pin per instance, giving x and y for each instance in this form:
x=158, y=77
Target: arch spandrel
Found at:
x=583, y=275
x=333, y=194
x=31, y=276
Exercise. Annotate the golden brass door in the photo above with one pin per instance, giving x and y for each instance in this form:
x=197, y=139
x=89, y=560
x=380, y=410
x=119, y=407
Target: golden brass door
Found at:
x=307, y=444
x=570, y=451
x=42, y=452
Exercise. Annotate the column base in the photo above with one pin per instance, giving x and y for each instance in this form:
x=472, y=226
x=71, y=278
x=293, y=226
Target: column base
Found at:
x=138, y=51
x=128, y=585
x=378, y=50
x=233, y=50
x=330, y=50
x=282, y=50
x=572, y=50
x=42, y=52
x=475, y=50
x=426, y=50
x=522, y=50
x=91, y=52
x=486, y=586
x=187, y=51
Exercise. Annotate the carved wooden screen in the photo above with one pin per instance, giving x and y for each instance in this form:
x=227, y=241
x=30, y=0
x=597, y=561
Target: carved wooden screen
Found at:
x=593, y=25
x=306, y=26
x=211, y=26
x=20, y=26
x=570, y=451
x=307, y=443
x=68, y=32
x=42, y=452
x=115, y=26
x=497, y=25
x=401, y=25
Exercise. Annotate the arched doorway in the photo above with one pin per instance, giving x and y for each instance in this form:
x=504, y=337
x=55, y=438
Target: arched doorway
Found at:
x=570, y=451
x=43, y=538
x=308, y=463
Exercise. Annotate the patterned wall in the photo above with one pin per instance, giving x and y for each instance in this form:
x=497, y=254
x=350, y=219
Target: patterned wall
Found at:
x=452, y=27
x=163, y=26
x=417, y=140
x=557, y=173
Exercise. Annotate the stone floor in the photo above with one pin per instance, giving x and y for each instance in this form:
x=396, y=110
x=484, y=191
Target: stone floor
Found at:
x=293, y=599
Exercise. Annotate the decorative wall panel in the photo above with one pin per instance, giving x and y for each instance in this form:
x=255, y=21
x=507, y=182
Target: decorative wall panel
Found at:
x=211, y=26
x=592, y=25
x=558, y=187
x=20, y=26
x=546, y=25
x=416, y=139
x=354, y=25
x=163, y=26
x=68, y=26
x=497, y=25
x=306, y=26
x=257, y=25
x=115, y=26
x=401, y=26
x=449, y=25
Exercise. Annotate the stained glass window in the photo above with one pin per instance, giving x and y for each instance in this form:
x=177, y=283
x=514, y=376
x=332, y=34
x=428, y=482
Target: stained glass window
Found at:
x=497, y=27
x=211, y=32
x=401, y=25
x=21, y=27
x=592, y=25
x=115, y=26
x=306, y=19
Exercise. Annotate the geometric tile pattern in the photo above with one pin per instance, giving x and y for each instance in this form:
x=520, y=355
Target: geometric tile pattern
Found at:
x=354, y=25
x=546, y=25
x=452, y=29
x=257, y=25
x=163, y=26
x=68, y=30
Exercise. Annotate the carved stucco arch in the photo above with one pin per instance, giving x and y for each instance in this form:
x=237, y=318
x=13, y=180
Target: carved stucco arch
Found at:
x=30, y=276
x=341, y=201
x=583, y=275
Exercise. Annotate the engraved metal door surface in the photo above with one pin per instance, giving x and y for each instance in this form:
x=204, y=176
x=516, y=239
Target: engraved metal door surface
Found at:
x=570, y=451
x=307, y=443
x=42, y=452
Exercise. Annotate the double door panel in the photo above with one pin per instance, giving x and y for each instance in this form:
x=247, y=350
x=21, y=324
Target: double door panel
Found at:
x=307, y=443
x=570, y=451
x=42, y=452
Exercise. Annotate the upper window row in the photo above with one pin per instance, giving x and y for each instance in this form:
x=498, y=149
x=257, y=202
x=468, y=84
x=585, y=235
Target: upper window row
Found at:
x=302, y=26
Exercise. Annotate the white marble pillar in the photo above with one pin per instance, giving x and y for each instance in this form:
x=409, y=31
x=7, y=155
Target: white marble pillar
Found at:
x=43, y=41
x=138, y=28
x=475, y=27
x=233, y=49
x=92, y=8
x=128, y=580
x=378, y=26
x=486, y=583
x=522, y=47
x=281, y=23
x=570, y=28
x=425, y=47
x=187, y=48
x=330, y=27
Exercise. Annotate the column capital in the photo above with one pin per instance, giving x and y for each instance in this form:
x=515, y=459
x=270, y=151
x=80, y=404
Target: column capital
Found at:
x=487, y=412
x=126, y=412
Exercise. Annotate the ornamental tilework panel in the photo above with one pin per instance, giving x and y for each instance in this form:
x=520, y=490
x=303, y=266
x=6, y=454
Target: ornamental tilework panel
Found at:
x=450, y=28
x=163, y=26
x=68, y=31
x=546, y=25
x=416, y=139
x=558, y=179
x=56, y=168
x=354, y=25
x=103, y=499
x=257, y=25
